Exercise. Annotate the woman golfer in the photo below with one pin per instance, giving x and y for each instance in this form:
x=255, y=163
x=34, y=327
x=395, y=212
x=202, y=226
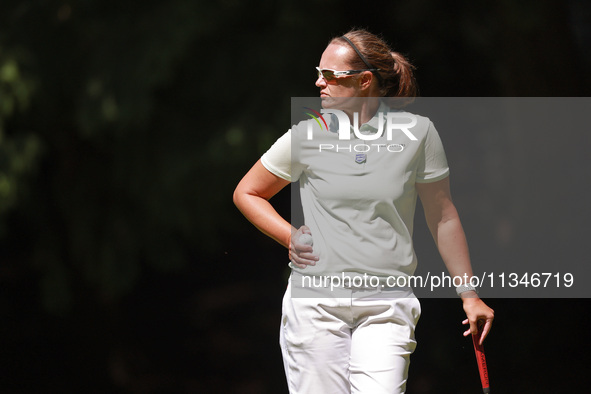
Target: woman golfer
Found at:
x=360, y=171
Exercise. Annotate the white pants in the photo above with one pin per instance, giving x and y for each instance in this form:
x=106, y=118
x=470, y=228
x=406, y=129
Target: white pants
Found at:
x=358, y=344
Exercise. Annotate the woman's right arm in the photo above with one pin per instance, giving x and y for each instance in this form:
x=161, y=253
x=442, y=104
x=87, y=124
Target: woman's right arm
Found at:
x=252, y=198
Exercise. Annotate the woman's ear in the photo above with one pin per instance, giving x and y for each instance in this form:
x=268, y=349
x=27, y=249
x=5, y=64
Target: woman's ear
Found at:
x=365, y=80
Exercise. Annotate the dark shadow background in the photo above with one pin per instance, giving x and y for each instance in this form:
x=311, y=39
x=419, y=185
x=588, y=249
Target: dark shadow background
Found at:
x=125, y=126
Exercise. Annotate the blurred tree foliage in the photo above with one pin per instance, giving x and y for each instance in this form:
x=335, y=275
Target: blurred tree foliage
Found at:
x=110, y=160
x=18, y=154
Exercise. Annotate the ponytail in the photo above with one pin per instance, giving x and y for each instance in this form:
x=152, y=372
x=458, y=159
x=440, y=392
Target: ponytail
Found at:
x=404, y=84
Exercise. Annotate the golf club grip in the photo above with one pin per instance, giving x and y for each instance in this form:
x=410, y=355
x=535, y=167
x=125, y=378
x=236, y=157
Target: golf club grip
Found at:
x=481, y=359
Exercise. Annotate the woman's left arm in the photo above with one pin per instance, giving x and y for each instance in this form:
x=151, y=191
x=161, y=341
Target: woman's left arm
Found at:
x=445, y=226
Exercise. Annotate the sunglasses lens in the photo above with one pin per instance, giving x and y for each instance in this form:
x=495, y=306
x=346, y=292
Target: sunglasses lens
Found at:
x=326, y=74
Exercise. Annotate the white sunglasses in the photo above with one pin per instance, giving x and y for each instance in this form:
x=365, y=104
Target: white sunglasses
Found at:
x=330, y=75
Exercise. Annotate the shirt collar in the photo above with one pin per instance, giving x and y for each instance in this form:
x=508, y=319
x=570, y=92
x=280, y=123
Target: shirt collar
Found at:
x=372, y=125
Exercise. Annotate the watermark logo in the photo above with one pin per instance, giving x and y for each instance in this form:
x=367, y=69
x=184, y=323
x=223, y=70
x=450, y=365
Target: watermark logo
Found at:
x=395, y=121
x=316, y=115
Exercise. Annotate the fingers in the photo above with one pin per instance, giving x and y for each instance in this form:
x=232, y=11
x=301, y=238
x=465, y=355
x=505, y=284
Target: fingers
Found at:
x=485, y=330
x=474, y=328
x=467, y=332
x=301, y=254
x=302, y=260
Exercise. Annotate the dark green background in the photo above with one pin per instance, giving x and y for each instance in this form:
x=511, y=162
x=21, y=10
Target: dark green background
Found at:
x=125, y=126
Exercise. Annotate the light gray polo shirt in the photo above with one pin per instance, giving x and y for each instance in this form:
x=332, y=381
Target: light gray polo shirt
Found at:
x=359, y=196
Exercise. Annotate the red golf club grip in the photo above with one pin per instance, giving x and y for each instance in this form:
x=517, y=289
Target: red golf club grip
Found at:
x=481, y=359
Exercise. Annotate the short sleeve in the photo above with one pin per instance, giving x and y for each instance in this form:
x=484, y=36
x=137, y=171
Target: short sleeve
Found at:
x=278, y=158
x=432, y=164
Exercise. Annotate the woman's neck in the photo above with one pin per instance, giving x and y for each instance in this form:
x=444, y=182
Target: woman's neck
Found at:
x=366, y=108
